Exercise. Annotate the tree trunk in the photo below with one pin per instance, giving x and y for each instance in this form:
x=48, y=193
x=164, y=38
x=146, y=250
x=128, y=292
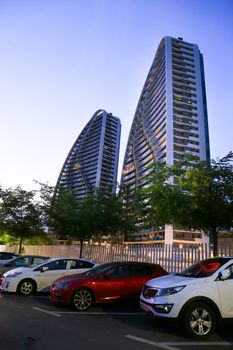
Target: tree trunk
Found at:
x=20, y=244
x=81, y=249
x=214, y=236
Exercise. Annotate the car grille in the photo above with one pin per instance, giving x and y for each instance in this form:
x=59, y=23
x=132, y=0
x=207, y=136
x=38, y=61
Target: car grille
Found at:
x=149, y=292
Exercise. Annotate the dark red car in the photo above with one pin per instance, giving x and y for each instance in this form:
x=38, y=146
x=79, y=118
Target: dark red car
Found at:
x=104, y=283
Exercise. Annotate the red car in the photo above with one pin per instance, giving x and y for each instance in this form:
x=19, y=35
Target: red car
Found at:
x=104, y=283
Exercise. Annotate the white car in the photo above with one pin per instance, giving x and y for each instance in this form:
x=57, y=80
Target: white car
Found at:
x=198, y=298
x=39, y=277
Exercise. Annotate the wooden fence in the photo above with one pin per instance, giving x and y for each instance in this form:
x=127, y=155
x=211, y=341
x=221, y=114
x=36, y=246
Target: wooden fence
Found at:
x=173, y=257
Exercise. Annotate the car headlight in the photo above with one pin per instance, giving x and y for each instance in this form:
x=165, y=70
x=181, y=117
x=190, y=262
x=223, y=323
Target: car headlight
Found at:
x=63, y=285
x=14, y=274
x=169, y=291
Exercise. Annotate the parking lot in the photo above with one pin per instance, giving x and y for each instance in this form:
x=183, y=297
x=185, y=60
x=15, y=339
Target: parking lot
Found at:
x=32, y=323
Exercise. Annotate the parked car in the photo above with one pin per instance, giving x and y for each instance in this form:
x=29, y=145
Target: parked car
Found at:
x=25, y=260
x=6, y=256
x=104, y=283
x=39, y=277
x=198, y=298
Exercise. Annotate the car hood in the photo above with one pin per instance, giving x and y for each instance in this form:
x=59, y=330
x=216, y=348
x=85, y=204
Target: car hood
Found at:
x=17, y=269
x=173, y=280
x=73, y=278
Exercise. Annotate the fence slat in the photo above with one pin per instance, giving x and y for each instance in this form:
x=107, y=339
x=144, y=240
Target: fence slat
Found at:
x=173, y=257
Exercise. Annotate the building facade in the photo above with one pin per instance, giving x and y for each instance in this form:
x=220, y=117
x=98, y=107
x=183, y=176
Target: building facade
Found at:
x=93, y=160
x=171, y=116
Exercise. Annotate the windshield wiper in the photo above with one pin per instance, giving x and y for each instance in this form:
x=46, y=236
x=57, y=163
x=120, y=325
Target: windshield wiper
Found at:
x=184, y=275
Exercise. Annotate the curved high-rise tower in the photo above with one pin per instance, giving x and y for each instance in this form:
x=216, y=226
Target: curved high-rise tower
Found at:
x=93, y=160
x=171, y=116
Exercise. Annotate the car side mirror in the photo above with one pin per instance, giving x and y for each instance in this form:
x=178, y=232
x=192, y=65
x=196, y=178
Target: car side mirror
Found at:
x=44, y=268
x=225, y=274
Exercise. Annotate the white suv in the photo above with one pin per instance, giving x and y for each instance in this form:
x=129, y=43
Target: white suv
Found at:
x=197, y=298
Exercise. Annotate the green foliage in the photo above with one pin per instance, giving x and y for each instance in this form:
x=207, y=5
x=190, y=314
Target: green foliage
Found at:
x=96, y=215
x=20, y=214
x=46, y=196
x=62, y=213
x=133, y=210
x=44, y=238
x=193, y=194
x=7, y=239
x=189, y=194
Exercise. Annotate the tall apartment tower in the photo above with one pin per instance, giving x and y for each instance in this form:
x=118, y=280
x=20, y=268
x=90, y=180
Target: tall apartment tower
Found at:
x=171, y=116
x=93, y=160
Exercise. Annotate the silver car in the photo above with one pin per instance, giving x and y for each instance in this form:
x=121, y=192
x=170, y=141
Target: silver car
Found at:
x=24, y=260
x=6, y=256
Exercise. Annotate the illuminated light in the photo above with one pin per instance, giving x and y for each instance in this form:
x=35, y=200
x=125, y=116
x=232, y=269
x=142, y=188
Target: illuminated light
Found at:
x=77, y=166
x=163, y=308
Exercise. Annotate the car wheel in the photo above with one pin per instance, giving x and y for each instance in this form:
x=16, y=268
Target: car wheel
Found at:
x=26, y=287
x=82, y=299
x=199, y=321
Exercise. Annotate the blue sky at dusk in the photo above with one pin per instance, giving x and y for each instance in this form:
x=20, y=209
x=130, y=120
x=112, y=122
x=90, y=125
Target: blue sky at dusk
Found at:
x=61, y=60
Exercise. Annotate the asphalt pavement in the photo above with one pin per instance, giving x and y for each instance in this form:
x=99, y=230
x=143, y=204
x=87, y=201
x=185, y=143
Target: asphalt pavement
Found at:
x=33, y=323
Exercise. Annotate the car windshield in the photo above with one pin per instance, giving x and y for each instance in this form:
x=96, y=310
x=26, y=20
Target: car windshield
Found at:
x=204, y=268
x=97, y=269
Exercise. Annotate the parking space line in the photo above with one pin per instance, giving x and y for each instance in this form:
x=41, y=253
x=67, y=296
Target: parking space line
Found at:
x=173, y=345
x=47, y=312
x=85, y=313
x=102, y=313
x=150, y=342
x=213, y=343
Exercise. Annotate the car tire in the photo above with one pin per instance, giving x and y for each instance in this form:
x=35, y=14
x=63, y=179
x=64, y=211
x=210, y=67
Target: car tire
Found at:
x=82, y=299
x=199, y=321
x=26, y=287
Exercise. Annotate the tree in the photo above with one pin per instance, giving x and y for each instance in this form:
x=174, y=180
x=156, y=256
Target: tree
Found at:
x=20, y=214
x=94, y=216
x=100, y=215
x=193, y=194
x=168, y=202
x=134, y=210
x=117, y=214
x=211, y=192
x=87, y=223
x=79, y=219
x=62, y=212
